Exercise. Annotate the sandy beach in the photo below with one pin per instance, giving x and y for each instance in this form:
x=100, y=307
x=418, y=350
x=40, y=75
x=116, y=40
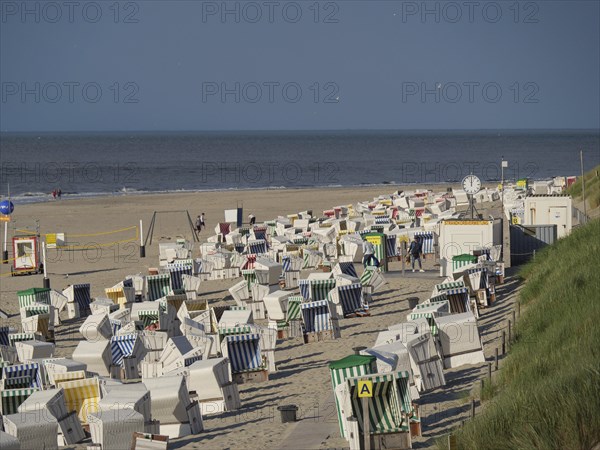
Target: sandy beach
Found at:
x=303, y=376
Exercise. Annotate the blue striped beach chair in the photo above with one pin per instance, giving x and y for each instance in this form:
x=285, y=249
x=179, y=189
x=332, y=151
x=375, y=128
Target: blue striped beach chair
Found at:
x=176, y=271
x=158, y=286
x=4, y=335
x=350, y=297
x=81, y=296
x=260, y=233
x=478, y=277
x=121, y=347
x=286, y=262
x=304, y=286
x=346, y=268
x=316, y=316
x=391, y=248
x=427, y=241
x=243, y=350
x=257, y=247
x=30, y=371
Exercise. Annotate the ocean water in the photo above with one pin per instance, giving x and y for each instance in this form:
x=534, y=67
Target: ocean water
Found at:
x=118, y=164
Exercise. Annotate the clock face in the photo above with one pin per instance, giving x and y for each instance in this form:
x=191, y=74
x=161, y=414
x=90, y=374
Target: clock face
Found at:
x=471, y=184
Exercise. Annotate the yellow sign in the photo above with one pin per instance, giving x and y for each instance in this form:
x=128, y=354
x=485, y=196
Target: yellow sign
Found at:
x=515, y=220
x=365, y=388
x=375, y=240
x=4, y=218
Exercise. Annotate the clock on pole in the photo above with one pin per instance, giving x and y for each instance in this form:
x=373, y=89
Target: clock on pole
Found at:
x=471, y=185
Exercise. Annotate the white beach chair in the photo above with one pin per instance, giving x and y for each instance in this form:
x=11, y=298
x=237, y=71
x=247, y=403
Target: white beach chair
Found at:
x=96, y=327
x=114, y=428
x=96, y=355
x=32, y=433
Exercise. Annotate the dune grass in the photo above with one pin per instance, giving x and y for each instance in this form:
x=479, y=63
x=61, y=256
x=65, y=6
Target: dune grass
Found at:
x=547, y=395
x=592, y=187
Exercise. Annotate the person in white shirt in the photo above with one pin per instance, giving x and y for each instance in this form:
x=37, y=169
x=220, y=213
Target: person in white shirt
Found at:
x=369, y=254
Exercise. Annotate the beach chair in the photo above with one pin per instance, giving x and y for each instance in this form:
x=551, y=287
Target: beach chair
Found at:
x=304, y=286
x=235, y=318
x=11, y=399
x=59, y=366
x=32, y=432
x=176, y=272
x=247, y=362
x=174, y=353
x=8, y=442
x=169, y=398
x=96, y=327
x=19, y=337
x=96, y=355
x=429, y=311
x=103, y=305
x=114, y=428
x=82, y=396
x=52, y=403
x=459, y=301
x=320, y=321
x=158, y=286
x=240, y=293
x=122, y=348
x=272, y=268
x=348, y=300
x=319, y=289
x=276, y=305
x=311, y=259
x=22, y=376
x=427, y=365
x=341, y=370
x=28, y=350
x=372, y=278
x=80, y=295
x=34, y=295
x=210, y=383
x=63, y=377
x=130, y=395
x=346, y=268
x=460, y=341
x=389, y=424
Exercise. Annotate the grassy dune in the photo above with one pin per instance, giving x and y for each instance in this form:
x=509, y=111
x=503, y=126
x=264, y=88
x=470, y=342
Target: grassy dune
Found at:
x=547, y=395
x=592, y=187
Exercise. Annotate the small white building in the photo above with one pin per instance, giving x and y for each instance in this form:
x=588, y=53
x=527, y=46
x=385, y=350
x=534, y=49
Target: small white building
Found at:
x=549, y=210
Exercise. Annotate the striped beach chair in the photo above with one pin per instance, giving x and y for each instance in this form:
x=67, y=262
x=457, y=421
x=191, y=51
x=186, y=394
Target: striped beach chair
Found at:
x=11, y=399
x=459, y=300
x=389, y=405
x=341, y=370
x=461, y=262
x=373, y=278
x=346, y=268
x=427, y=241
x=257, y=247
x=158, y=286
x=444, y=287
x=478, y=277
x=176, y=271
x=27, y=372
x=304, y=286
x=123, y=346
x=260, y=232
x=250, y=276
x=319, y=289
x=317, y=316
x=149, y=317
x=350, y=297
x=430, y=311
x=391, y=247
x=19, y=337
x=33, y=295
x=243, y=350
x=59, y=378
x=4, y=331
x=82, y=396
x=80, y=294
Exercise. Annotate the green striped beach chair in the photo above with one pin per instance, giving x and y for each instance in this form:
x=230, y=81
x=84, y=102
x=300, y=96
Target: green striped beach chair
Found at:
x=320, y=288
x=460, y=262
x=158, y=286
x=33, y=295
x=11, y=399
x=389, y=406
x=341, y=370
x=250, y=277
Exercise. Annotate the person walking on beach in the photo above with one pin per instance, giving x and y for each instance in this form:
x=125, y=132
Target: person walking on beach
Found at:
x=202, y=222
x=54, y=194
x=59, y=193
x=369, y=254
x=415, y=250
x=198, y=224
x=252, y=219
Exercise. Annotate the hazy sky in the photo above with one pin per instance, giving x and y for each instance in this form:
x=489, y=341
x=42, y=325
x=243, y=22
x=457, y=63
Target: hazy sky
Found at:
x=277, y=65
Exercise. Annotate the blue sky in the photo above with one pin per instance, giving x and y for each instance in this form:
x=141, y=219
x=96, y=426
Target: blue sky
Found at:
x=191, y=65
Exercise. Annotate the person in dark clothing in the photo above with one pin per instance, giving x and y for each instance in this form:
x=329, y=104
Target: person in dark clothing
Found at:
x=415, y=250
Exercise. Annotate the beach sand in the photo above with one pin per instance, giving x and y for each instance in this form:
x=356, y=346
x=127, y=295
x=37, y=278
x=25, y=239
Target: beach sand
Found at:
x=303, y=376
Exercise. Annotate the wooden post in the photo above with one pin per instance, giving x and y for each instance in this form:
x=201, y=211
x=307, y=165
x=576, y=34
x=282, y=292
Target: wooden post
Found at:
x=472, y=408
x=142, y=246
x=489, y=368
x=452, y=442
x=496, y=359
x=403, y=255
x=481, y=389
x=514, y=317
x=509, y=331
x=519, y=309
x=503, y=342
x=366, y=426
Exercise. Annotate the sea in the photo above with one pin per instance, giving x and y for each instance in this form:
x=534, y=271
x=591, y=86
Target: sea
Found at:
x=115, y=164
